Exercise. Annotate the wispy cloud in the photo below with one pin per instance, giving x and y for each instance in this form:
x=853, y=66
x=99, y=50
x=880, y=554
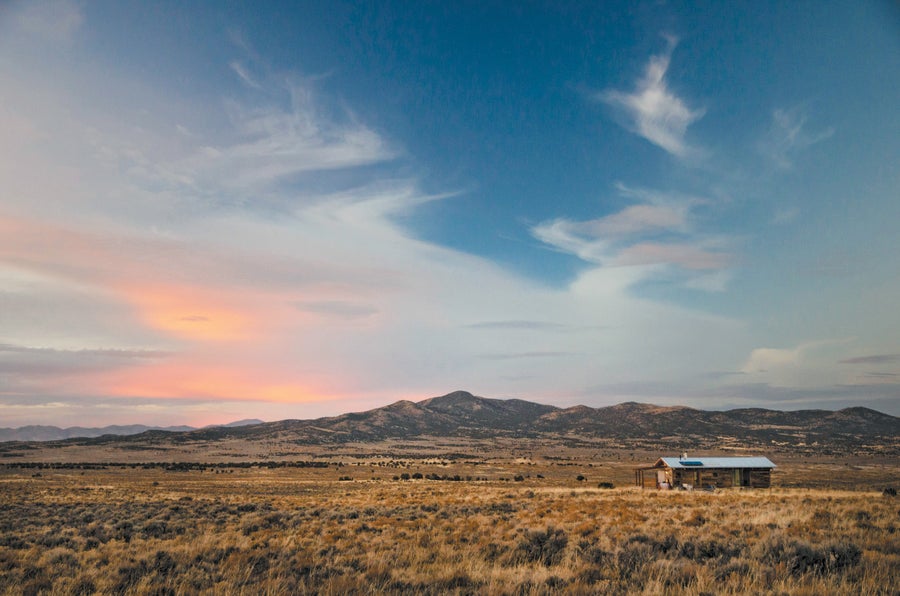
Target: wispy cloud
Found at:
x=658, y=231
x=516, y=325
x=276, y=142
x=115, y=353
x=30, y=368
x=195, y=257
x=788, y=136
x=685, y=255
x=524, y=355
x=653, y=110
x=873, y=359
x=338, y=309
x=243, y=74
x=785, y=215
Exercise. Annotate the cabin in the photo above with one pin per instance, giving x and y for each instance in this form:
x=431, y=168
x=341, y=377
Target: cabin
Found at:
x=706, y=472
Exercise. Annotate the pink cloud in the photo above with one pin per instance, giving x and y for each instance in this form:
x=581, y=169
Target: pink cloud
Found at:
x=683, y=255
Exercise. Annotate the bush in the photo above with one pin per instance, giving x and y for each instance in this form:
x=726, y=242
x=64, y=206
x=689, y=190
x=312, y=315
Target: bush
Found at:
x=606, y=485
x=801, y=557
x=545, y=547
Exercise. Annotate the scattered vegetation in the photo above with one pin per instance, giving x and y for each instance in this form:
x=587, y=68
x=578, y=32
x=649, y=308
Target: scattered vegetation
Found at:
x=308, y=529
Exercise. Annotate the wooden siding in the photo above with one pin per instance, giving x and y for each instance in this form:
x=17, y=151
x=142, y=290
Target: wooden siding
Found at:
x=702, y=478
x=760, y=478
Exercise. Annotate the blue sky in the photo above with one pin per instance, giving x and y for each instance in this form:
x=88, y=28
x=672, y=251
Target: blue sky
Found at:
x=218, y=210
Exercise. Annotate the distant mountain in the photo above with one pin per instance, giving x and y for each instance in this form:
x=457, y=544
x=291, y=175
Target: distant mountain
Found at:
x=54, y=433
x=461, y=414
x=244, y=422
x=633, y=425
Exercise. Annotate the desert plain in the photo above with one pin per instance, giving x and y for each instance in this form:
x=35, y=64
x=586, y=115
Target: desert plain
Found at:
x=367, y=519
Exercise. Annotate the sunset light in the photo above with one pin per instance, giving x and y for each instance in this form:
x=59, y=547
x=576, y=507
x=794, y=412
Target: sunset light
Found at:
x=327, y=207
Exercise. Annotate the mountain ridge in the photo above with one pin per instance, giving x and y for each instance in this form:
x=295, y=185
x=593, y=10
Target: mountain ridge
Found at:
x=42, y=433
x=461, y=414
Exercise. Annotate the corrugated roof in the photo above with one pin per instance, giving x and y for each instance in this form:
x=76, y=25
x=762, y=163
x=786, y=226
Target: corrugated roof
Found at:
x=718, y=462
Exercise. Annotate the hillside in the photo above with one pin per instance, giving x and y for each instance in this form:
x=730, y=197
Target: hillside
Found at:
x=461, y=415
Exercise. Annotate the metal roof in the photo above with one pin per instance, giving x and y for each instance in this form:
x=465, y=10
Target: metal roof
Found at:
x=717, y=462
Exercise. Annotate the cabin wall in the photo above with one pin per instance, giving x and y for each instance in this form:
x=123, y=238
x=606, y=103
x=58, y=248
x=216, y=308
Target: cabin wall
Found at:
x=648, y=478
x=701, y=478
x=760, y=478
x=723, y=478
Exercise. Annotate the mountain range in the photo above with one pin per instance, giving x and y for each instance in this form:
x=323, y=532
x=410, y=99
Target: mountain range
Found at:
x=55, y=433
x=633, y=425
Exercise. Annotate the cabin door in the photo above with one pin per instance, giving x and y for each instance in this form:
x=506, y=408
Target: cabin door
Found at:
x=736, y=479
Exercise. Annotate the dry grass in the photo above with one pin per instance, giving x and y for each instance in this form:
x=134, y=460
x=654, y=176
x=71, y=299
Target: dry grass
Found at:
x=296, y=530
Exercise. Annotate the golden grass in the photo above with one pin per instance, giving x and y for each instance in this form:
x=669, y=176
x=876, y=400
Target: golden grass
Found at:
x=261, y=531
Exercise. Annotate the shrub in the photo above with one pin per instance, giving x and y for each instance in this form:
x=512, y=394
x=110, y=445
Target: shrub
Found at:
x=606, y=485
x=801, y=557
x=708, y=549
x=129, y=576
x=696, y=520
x=890, y=492
x=545, y=547
x=163, y=563
x=631, y=560
x=83, y=587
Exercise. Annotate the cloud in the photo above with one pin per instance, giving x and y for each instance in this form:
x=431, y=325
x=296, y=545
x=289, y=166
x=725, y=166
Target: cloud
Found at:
x=654, y=112
x=516, y=325
x=338, y=309
x=526, y=355
x=657, y=232
x=243, y=74
x=788, y=136
x=261, y=252
x=687, y=256
x=785, y=215
x=271, y=143
x=115, y=353
x=715, y=281
x=40, y=369
x=807, y=365
x=873, y=359
x=761, y=360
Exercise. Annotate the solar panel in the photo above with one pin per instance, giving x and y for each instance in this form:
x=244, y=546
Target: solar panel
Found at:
x=691, y=463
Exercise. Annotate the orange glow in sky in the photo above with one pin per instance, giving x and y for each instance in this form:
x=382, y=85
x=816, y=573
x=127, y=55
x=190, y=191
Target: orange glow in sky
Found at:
x=197, y=381
x=190, y=313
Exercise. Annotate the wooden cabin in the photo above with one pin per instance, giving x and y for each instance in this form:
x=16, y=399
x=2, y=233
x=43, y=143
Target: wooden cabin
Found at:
x=706, y=472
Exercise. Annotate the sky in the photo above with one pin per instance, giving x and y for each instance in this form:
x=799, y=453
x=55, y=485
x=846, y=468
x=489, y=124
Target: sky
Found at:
x=212, y=211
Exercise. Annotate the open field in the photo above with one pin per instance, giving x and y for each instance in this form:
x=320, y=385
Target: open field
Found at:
x=502, y=528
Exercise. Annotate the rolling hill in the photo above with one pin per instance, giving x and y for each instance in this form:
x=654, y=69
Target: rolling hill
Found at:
x=462, y=415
